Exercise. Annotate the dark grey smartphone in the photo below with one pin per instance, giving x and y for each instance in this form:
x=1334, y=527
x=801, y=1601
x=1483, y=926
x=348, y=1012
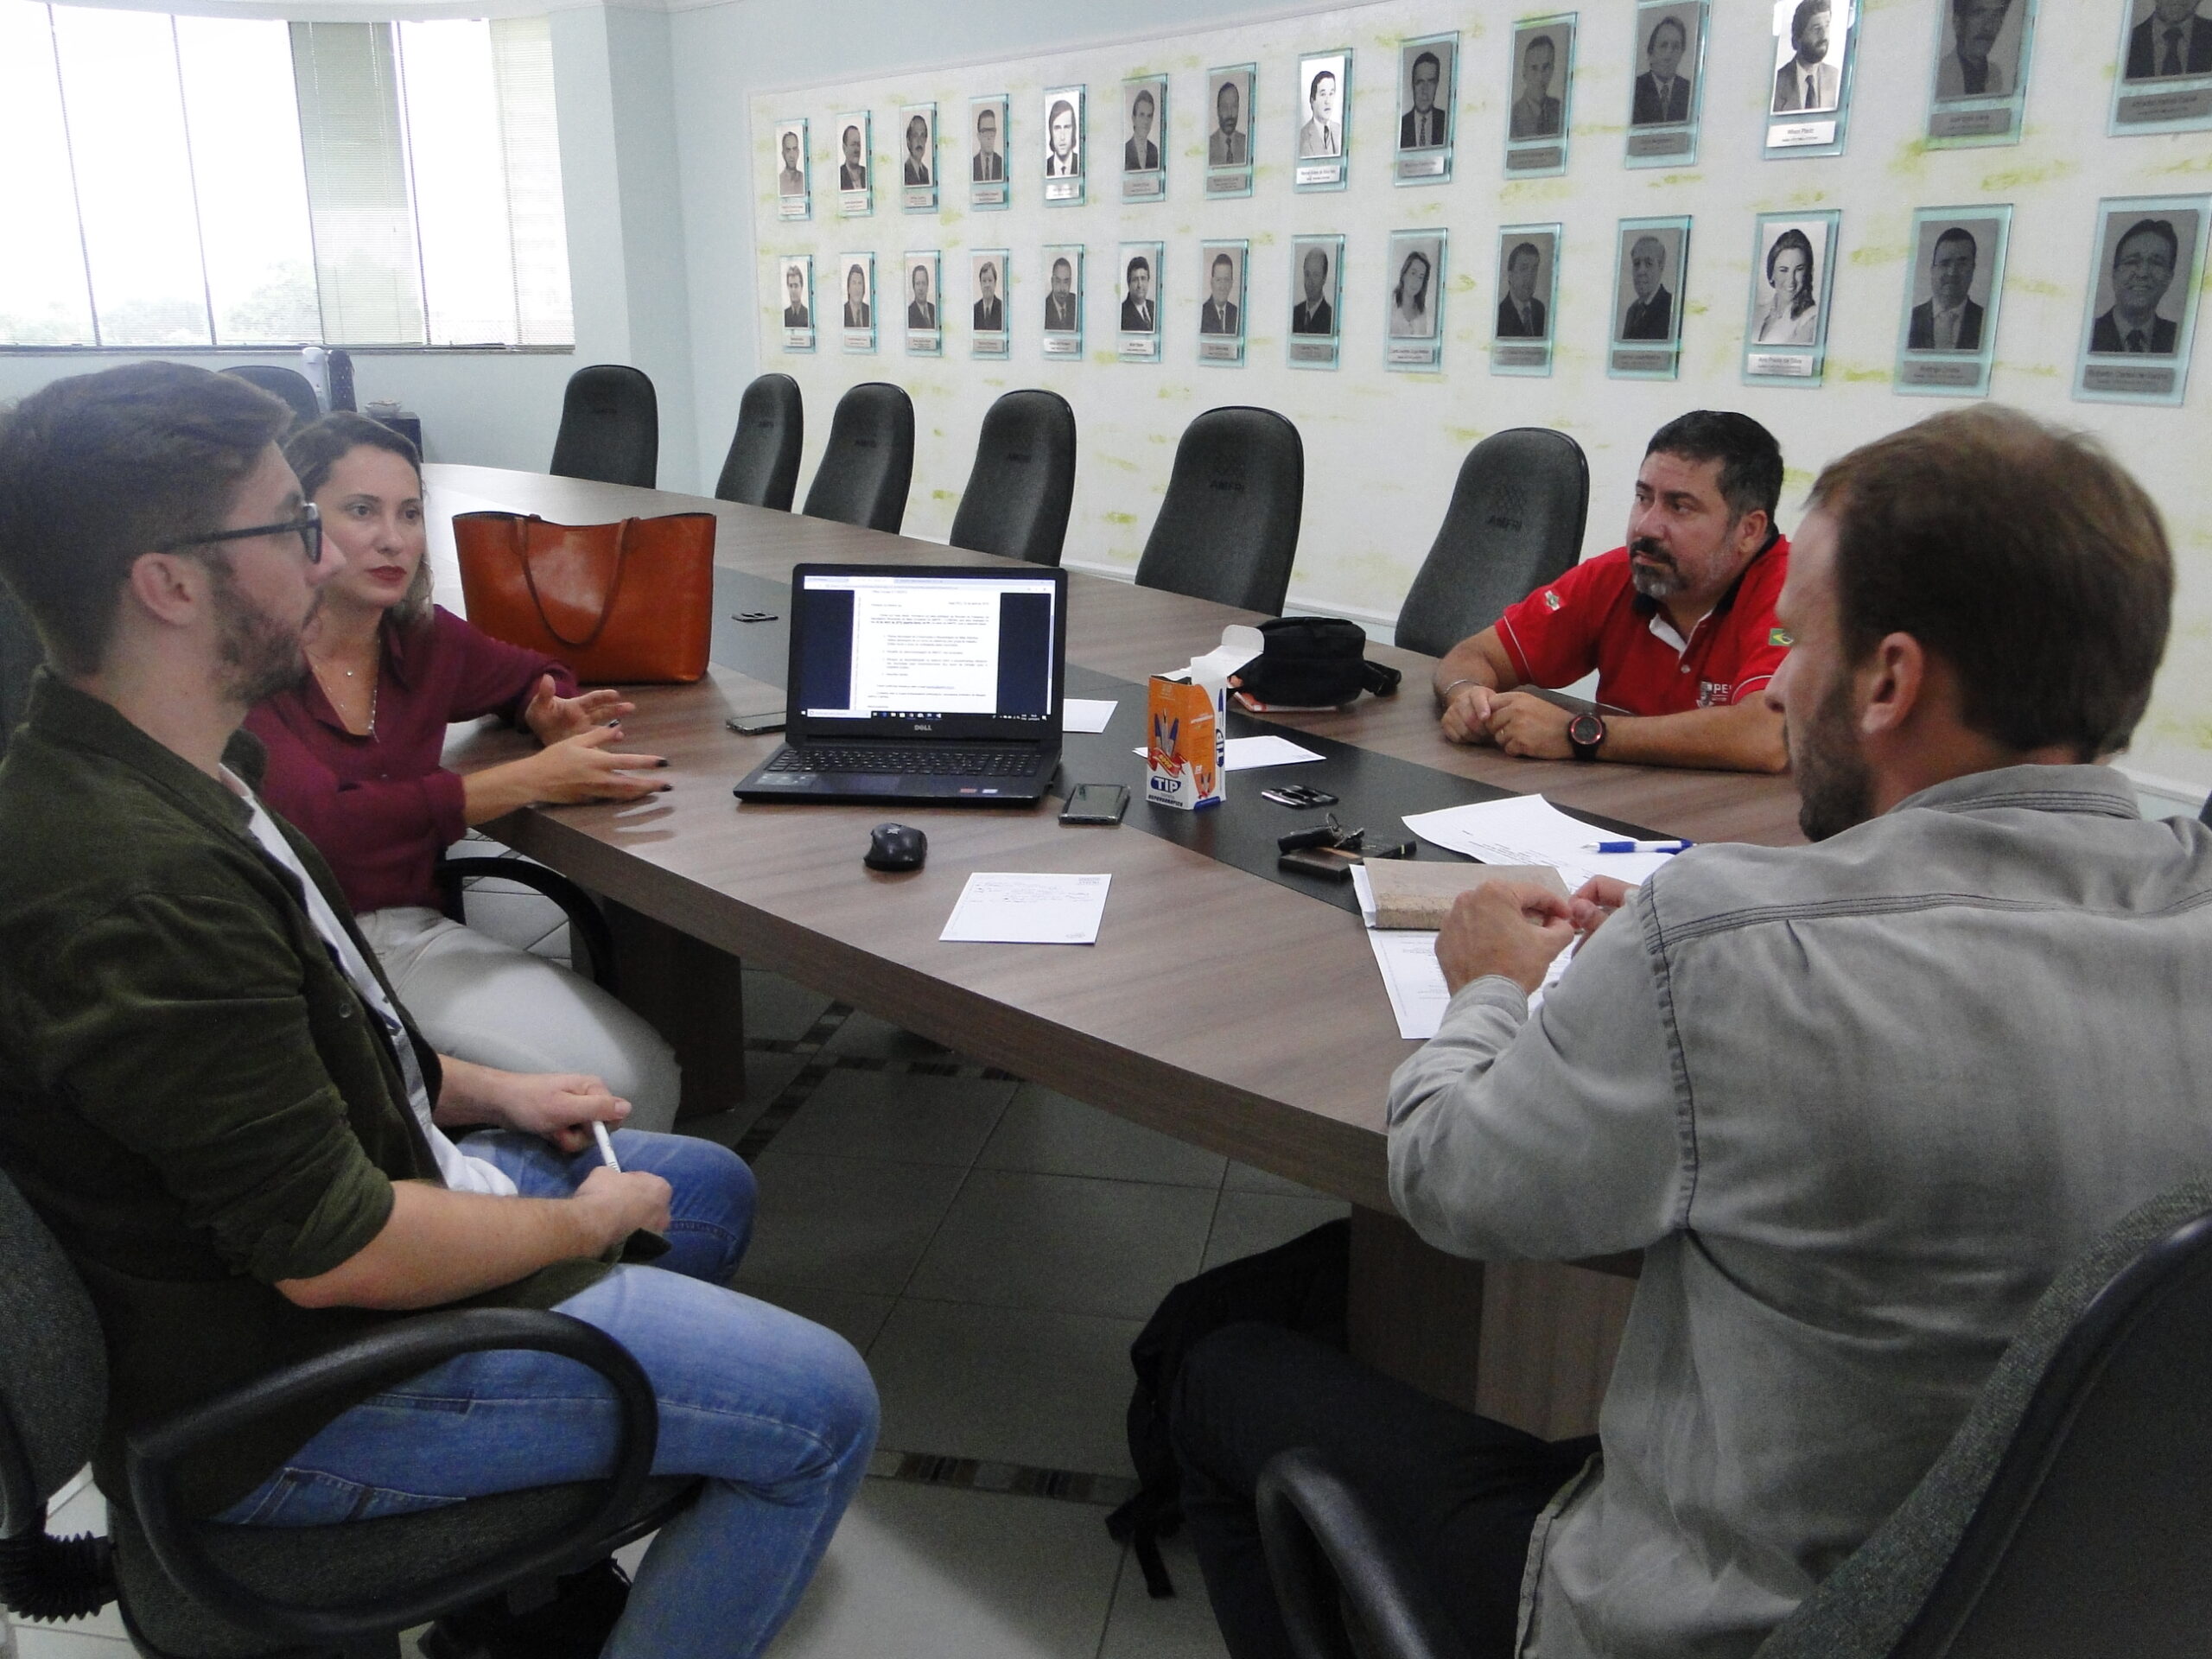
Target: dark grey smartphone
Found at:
x=1096, y=803
x=756, y=725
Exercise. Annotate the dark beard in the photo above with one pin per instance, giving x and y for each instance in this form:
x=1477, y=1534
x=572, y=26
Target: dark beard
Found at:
x=1654, y=584
x=260, y=656
x=1835, y=790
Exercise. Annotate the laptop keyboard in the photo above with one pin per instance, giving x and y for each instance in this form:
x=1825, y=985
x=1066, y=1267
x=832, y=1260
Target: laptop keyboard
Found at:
x=911, y=762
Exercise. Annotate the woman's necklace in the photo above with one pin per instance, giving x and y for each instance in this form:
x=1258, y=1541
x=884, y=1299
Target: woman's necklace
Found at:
x=345, y=712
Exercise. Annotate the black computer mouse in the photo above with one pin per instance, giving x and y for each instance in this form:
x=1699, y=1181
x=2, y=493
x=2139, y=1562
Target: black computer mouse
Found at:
x=896, y=847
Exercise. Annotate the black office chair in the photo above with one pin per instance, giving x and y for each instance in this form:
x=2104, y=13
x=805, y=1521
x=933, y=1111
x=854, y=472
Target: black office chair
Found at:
x=1515, y=523
x=290, y=384
x=1023, y=481
x=460, y=872
x=869, y=460
x=1228, y=528
x=610, y=427
x=762, y=467
x=193, y=1589
x=2205, y=816
x=2068, y=1515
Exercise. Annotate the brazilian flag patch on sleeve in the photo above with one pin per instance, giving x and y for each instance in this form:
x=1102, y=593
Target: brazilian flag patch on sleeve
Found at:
x=1779, y=637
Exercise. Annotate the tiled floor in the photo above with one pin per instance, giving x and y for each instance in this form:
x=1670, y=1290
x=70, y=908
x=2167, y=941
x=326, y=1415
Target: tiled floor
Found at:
x=992, y=1246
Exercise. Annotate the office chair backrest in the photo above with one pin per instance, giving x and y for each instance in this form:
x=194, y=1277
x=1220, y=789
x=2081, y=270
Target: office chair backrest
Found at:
x=2070, y=1513
x=762, y=467
x=20, y=654
x=869, y=460
x=290, y=384
x=1515, y=523
x=53, y=1368
x=2205, y=816
x=1228, y=528
x=610, y=427
x=1023, y=480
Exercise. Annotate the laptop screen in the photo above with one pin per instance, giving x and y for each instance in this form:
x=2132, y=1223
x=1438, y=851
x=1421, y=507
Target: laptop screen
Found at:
x=881, y=651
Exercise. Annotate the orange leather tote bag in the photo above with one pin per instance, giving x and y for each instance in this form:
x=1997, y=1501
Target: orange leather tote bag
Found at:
x=625, y=604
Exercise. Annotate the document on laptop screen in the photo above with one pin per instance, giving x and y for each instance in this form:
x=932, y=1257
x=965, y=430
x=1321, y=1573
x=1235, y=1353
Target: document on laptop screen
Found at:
x=944, y=646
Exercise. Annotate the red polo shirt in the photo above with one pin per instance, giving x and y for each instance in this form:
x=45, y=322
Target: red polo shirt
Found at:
x=1592, y=617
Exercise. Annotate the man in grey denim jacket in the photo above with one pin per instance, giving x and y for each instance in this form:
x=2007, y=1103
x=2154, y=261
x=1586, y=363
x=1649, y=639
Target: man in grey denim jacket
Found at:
x=1856, y=1102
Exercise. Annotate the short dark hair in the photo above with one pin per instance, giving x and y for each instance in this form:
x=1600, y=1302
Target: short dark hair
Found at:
x=1956, y=233
x=1669, y=22
x=2023, y=555
x=2161, y=228
x=1219, y=260
x=1320, y=75
x=1059, y=265
x=97, y=469
x=1144, y=95
x=314, y=450
x=1535, y=255
x=1431, y=60
x=1751, y=461
x=1139, y=264
x=1803, y=15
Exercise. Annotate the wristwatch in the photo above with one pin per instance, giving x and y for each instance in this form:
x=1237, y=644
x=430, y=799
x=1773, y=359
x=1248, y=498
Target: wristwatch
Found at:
x=1584, y=734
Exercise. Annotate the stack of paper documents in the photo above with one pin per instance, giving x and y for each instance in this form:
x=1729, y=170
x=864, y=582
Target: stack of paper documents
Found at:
x=1407, y=957
x=1530, y=830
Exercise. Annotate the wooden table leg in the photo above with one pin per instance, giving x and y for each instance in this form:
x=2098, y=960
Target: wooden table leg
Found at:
x=1526, y=1343
x=694, y=996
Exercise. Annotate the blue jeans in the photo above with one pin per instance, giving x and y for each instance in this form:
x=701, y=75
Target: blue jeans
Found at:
x=778, y=1414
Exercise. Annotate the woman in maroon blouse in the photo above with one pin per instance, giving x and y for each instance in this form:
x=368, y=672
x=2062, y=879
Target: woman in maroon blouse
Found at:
x=354, y=761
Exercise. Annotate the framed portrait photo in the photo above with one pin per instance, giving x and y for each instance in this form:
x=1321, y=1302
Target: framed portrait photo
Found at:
x=1947, y=338
x=988, y=177
x=1144, y=139
x=1667, y=83
x=1322, y=110
x=2141, y=322
x=2165, y=83
x=1786, y=327
x=1221, y=303
x=1981, y=72
x=794, y=200
x=795, y=284
x=1528, y=299
x=918, y=158
x=924, y=295
x=1651, y=258
x=856, y=194
x=1537, y=110
x=1413, y=312
x=1141, y=267
x=1063, y=162
x=1317, y=291
x=1063, y=268
x=989, y=335
x=1230, y=110
x=1428, y=81
x=1810, y=94
x=856, y=274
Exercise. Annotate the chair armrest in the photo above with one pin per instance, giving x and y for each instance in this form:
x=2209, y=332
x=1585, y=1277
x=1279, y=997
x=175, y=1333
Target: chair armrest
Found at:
x=1330, y=1561
x=584, y=917
x=401, y=1350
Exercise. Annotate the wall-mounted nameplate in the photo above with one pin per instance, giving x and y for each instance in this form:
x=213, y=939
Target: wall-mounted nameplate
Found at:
x=798, y=339
x=860, y=340
x=924, y=342
x=1528, y=290
x=1321, y=111
x=1947, y=339
x=1537, y=113
x=1427, y=83
x=990, y=346
x=1139, y=348
x=1537, y=159
x=1667, y=88
x=2141, y=320
x=1812, y=63
x=855, y=204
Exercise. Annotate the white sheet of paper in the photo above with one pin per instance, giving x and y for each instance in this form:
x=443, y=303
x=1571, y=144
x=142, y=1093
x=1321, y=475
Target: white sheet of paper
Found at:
x=1530, y=830
x=1006, y=908
x=1418, y=994
x=1243, y=753
x=1086, y=713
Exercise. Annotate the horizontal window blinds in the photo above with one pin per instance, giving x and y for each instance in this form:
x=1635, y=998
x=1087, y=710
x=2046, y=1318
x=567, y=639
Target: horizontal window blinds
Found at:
x=368, y=267
x=522, y=74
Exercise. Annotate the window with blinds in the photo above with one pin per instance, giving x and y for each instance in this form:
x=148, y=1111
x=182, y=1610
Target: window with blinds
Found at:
x=176, y=181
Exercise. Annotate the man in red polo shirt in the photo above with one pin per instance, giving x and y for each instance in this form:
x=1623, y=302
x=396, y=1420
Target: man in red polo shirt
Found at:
x=1679, y=623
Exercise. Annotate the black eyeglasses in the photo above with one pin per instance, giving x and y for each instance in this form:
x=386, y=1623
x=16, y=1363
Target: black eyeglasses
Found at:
x=308, y=527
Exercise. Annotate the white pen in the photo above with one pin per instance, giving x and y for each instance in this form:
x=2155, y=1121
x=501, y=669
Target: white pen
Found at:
x=606, y=1145
x=1637, y=846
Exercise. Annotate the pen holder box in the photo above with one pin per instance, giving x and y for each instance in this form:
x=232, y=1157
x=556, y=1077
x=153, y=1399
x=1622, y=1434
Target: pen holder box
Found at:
x=1184, y=748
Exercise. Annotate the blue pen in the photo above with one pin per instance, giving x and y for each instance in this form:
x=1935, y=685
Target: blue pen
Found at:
x=1639, y=846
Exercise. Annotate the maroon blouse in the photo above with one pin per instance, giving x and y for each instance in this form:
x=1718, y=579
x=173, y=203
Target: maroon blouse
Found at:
x=381, y=809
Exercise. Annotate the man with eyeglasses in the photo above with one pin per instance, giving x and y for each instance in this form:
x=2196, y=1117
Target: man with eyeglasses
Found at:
x=212, y=1098
x=2143, y=267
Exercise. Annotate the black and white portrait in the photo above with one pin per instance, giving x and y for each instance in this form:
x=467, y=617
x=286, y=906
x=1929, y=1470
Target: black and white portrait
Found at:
x=1322, y=102
x=921, y=290
x=798, y=291
x=917, y=146
x=2144, y=281
x=1952, y=271
x=1811, y=39
x=852, y=150
x=1228, y=118
x=987, y=160
x=986, y=277
x=1786, y=284
x=1978, y=52
x=1647, y=284
x=1141, y=288
x=1142, y=102
x=1063, y=290
x=791, y=158
x=2169, y=39
x=1525, y=267
x=1063, y=133
x=1222, y=309
x=1317, y=284
x=1416, y=279
x=860, y=290
x=1667, y=62
x=1543, y=57
x=1425, y=88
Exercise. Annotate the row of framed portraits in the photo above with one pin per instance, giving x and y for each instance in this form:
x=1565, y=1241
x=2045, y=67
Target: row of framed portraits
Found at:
x=1978, y=89
x=2137, y=331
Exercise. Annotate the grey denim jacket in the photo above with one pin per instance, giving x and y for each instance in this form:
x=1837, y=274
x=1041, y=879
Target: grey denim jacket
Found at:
x=1857, y=1104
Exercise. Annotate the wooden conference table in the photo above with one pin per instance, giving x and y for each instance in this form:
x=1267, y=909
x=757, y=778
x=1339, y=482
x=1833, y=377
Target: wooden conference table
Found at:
x=1217, y=1006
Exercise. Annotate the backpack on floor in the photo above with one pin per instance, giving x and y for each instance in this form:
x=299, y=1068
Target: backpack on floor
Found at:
x=1303, y=1286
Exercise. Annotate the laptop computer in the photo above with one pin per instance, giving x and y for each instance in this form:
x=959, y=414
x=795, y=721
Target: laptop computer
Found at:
x=939, y=684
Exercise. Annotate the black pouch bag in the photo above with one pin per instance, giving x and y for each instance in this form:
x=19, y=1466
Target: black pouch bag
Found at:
x=1314, y=662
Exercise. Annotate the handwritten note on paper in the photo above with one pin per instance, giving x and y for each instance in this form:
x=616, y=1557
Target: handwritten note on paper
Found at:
x=1005, y=908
